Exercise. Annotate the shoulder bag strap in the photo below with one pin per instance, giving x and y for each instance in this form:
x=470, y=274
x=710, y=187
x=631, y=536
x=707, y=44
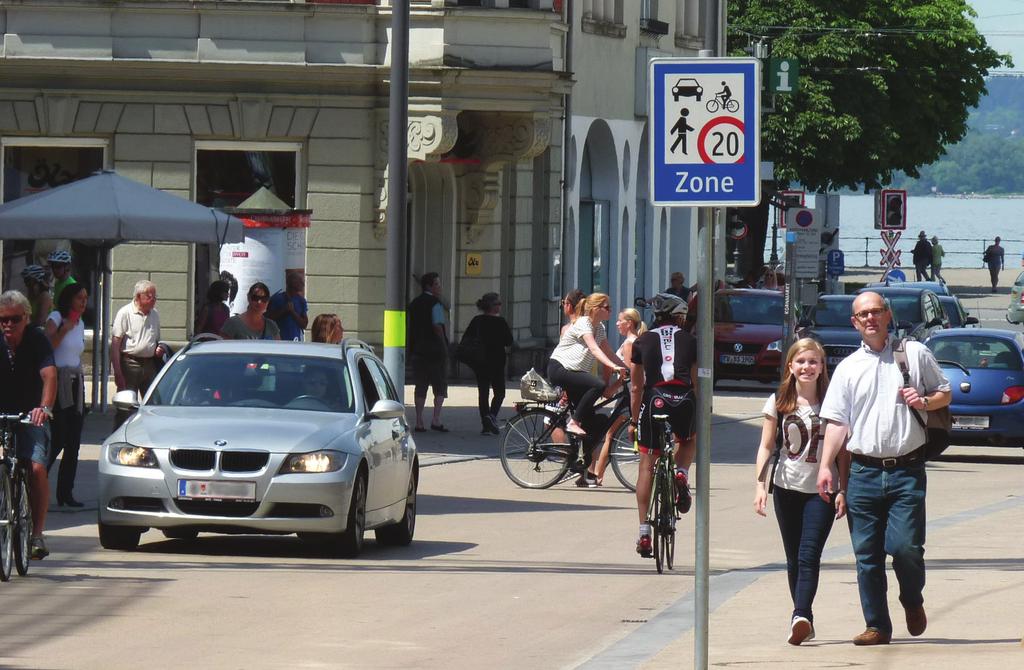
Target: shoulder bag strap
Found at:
x=899, y=354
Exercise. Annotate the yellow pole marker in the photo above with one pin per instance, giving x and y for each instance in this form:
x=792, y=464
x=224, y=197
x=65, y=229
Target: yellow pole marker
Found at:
x=394, y=328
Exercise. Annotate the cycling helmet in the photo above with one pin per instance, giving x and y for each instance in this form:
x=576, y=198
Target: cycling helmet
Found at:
x=665, y=304
x=59, y=256
x=36, y=273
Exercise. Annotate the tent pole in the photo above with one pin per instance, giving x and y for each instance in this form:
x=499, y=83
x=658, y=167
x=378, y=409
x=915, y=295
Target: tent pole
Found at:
x=105, y=344
x=97, y=328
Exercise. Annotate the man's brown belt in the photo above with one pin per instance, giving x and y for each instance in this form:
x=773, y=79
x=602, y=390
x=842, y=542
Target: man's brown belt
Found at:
x=892, y=462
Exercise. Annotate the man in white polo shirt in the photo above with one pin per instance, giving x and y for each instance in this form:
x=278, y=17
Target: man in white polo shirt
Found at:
x=134, y=346
x=868, y=402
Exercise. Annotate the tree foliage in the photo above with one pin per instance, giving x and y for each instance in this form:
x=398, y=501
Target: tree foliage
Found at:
x=884, y=85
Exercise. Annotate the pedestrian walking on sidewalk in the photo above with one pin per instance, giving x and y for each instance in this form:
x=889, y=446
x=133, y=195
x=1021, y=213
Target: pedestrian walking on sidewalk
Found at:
x=869, y=403
x=994, y=258
x=922, y=256
x=792, y=433
x=937, y=254
x=428, y=349
x=492, y=332
x=135, y=345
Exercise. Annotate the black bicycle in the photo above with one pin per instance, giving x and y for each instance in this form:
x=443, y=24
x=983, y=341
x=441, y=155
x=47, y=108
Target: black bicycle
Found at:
x=661, y=511
x=536, y=449
x=15, y=513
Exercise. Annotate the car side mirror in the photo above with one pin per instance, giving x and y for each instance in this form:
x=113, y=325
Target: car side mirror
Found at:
x=386, y=409
x=126, y=400
x=971, y=321
x=937, y=321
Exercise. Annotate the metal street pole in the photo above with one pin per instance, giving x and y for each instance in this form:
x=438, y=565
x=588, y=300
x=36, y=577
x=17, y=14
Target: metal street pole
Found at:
x=398, y=175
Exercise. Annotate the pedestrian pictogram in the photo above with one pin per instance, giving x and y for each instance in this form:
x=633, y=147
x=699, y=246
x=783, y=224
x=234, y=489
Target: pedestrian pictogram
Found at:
x=890, y=254
x=705, y=134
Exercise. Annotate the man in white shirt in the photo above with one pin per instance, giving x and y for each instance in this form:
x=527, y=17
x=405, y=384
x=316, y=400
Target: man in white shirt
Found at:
x=868, y=402
x=134, y=346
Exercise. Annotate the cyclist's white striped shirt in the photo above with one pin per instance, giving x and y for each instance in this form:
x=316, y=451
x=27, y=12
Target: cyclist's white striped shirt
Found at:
x=572, y=351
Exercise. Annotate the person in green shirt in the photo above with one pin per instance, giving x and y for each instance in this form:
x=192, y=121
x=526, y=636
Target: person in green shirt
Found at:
x=60, y=267
x=937, y=253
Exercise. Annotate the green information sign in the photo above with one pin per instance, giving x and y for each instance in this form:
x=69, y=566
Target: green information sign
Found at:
x=783, y=74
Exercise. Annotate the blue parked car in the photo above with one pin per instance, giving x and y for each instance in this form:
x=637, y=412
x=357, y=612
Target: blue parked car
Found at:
x=985, y=368
x=938, y=288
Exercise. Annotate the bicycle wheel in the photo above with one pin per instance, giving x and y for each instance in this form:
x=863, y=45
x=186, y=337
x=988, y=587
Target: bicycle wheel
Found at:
x=712, y=105
x=668, y=520
x=657, y=538
x=530, y=455
x=22, y=525
x=625, y=457
x=6, y=525
x=732, y=106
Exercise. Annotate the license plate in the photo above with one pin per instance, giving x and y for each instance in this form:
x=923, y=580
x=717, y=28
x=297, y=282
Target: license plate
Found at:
x=729, y=359
x=835, y=360
x=970, y=422
x=205, y=489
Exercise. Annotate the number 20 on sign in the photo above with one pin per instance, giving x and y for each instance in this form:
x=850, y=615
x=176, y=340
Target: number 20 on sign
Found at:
x=705, y=131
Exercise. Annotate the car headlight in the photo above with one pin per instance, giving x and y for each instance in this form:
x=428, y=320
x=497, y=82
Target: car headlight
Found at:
x=775, y=346
x=315, y=461
x=122, y=453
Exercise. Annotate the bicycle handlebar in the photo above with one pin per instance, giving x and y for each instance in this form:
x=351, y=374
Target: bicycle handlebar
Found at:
x=24, y=417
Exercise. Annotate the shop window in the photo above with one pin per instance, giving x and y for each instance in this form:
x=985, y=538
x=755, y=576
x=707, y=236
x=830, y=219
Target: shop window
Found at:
x=226, y=178
x=29, y=169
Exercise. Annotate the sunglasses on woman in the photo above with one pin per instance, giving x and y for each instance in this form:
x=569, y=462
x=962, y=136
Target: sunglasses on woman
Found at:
x=259, y=298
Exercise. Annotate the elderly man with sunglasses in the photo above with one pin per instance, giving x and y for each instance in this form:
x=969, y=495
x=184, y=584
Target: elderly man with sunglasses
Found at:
x=135, y=345
x=869, y=403
x=28, y=384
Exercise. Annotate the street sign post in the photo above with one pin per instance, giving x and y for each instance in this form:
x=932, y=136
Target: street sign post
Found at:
x=806, y=228
x=705, y=139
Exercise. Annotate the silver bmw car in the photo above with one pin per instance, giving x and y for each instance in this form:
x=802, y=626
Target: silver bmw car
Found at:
x=263, y=437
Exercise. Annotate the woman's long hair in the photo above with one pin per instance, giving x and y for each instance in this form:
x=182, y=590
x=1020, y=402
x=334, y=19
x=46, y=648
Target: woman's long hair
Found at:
x=633, y=316
x=586, y=307
x=785, y=397
x=327, y=328
x=67, y=297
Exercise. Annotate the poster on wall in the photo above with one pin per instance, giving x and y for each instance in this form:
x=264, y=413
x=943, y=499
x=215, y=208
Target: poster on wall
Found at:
x=259, y=257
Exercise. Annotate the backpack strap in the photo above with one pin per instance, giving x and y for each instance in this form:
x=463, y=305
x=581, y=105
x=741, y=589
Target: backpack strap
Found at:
x=768, y=473
x=899, y=354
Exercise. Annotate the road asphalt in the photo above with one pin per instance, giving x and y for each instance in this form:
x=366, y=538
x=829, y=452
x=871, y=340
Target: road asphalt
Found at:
x=510, y=578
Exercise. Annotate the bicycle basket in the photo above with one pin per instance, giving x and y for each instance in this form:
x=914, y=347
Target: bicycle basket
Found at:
x=534, y=387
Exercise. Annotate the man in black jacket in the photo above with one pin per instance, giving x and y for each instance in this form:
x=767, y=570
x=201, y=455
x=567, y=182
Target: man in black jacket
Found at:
x=428, y=349
x=922, y=257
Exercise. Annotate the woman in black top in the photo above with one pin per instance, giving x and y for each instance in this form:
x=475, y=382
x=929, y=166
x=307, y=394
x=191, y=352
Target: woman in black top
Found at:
x=493, y=332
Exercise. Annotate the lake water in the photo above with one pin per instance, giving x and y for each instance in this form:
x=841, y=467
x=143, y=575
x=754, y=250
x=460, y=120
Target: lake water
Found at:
x=965, y=226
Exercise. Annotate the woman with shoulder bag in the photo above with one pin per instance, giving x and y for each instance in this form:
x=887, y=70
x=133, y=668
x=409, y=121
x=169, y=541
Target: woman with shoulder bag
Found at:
x=805, y=520
x=492, y=336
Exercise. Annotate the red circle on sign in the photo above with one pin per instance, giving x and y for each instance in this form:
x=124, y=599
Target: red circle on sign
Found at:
x=728, y=120
x=804, y=218
x=739, y=233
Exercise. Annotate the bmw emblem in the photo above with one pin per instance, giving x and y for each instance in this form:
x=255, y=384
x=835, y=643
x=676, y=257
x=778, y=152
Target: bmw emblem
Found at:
x=220, y=443
x=738, y=347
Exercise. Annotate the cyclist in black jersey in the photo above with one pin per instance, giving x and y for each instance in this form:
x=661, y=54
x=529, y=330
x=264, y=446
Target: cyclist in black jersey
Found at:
x=663, y=371
x=28, y=384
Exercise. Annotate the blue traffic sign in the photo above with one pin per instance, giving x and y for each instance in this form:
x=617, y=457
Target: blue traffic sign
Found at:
x=835, y=263
x=705, y=133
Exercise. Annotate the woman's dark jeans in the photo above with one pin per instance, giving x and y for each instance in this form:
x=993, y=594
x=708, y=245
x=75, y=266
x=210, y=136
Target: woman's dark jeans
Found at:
x=490, y=377
x=66, y=438
x=583, y=389
x=805, y=521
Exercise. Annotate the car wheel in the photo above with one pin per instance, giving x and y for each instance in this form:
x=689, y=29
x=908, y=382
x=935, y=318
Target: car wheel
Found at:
x=123, y=538
x=349, y=542
x=180, y=534
x=400, y=534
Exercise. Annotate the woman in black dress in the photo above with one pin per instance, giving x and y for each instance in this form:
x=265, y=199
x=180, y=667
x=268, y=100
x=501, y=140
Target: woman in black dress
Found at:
x=493, y=332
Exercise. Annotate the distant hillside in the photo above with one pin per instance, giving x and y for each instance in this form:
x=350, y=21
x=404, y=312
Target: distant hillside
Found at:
x=990, y=158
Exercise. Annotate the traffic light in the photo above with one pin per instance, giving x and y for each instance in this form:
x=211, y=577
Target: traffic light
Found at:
x=894, y=210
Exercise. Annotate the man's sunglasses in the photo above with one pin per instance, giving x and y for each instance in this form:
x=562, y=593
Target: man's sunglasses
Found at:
x=11, y=320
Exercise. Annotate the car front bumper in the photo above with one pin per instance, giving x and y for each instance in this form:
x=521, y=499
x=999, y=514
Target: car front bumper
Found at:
x=283, y=503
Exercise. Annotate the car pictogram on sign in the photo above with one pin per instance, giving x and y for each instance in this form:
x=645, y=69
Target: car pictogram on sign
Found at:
x=687, y=88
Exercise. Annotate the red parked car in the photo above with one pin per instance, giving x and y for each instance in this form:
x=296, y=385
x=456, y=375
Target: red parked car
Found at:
x=748, y=334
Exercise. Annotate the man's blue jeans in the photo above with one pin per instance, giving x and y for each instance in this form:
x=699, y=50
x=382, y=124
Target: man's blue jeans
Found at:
x=805, y=521
x=885, y=508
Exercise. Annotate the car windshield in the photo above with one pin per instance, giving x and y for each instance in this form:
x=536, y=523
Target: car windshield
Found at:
x=833, y=314
x=952, y=313
x=905, y=307
x=758, y=309
x=976, y=352
x=255, y=380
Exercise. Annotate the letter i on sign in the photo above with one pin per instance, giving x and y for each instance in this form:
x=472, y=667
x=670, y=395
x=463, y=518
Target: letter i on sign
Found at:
x=783, y=75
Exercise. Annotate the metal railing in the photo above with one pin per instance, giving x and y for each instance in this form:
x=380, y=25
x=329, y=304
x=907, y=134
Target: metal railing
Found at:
x=978, y=246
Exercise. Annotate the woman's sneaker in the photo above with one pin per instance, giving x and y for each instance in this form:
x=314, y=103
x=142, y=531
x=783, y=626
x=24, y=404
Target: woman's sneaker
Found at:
x=37, y=548
x=801, y=630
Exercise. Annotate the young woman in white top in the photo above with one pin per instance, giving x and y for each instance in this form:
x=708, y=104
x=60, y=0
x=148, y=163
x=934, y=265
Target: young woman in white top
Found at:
x=66, y=332
x=630, y=325
x=804, y=518
x=573, y=359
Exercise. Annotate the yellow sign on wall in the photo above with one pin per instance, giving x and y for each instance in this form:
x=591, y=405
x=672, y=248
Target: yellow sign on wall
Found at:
x=474, y=264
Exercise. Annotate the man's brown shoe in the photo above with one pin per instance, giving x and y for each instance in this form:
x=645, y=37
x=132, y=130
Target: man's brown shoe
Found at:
x=917, y=620
x=872, y=636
